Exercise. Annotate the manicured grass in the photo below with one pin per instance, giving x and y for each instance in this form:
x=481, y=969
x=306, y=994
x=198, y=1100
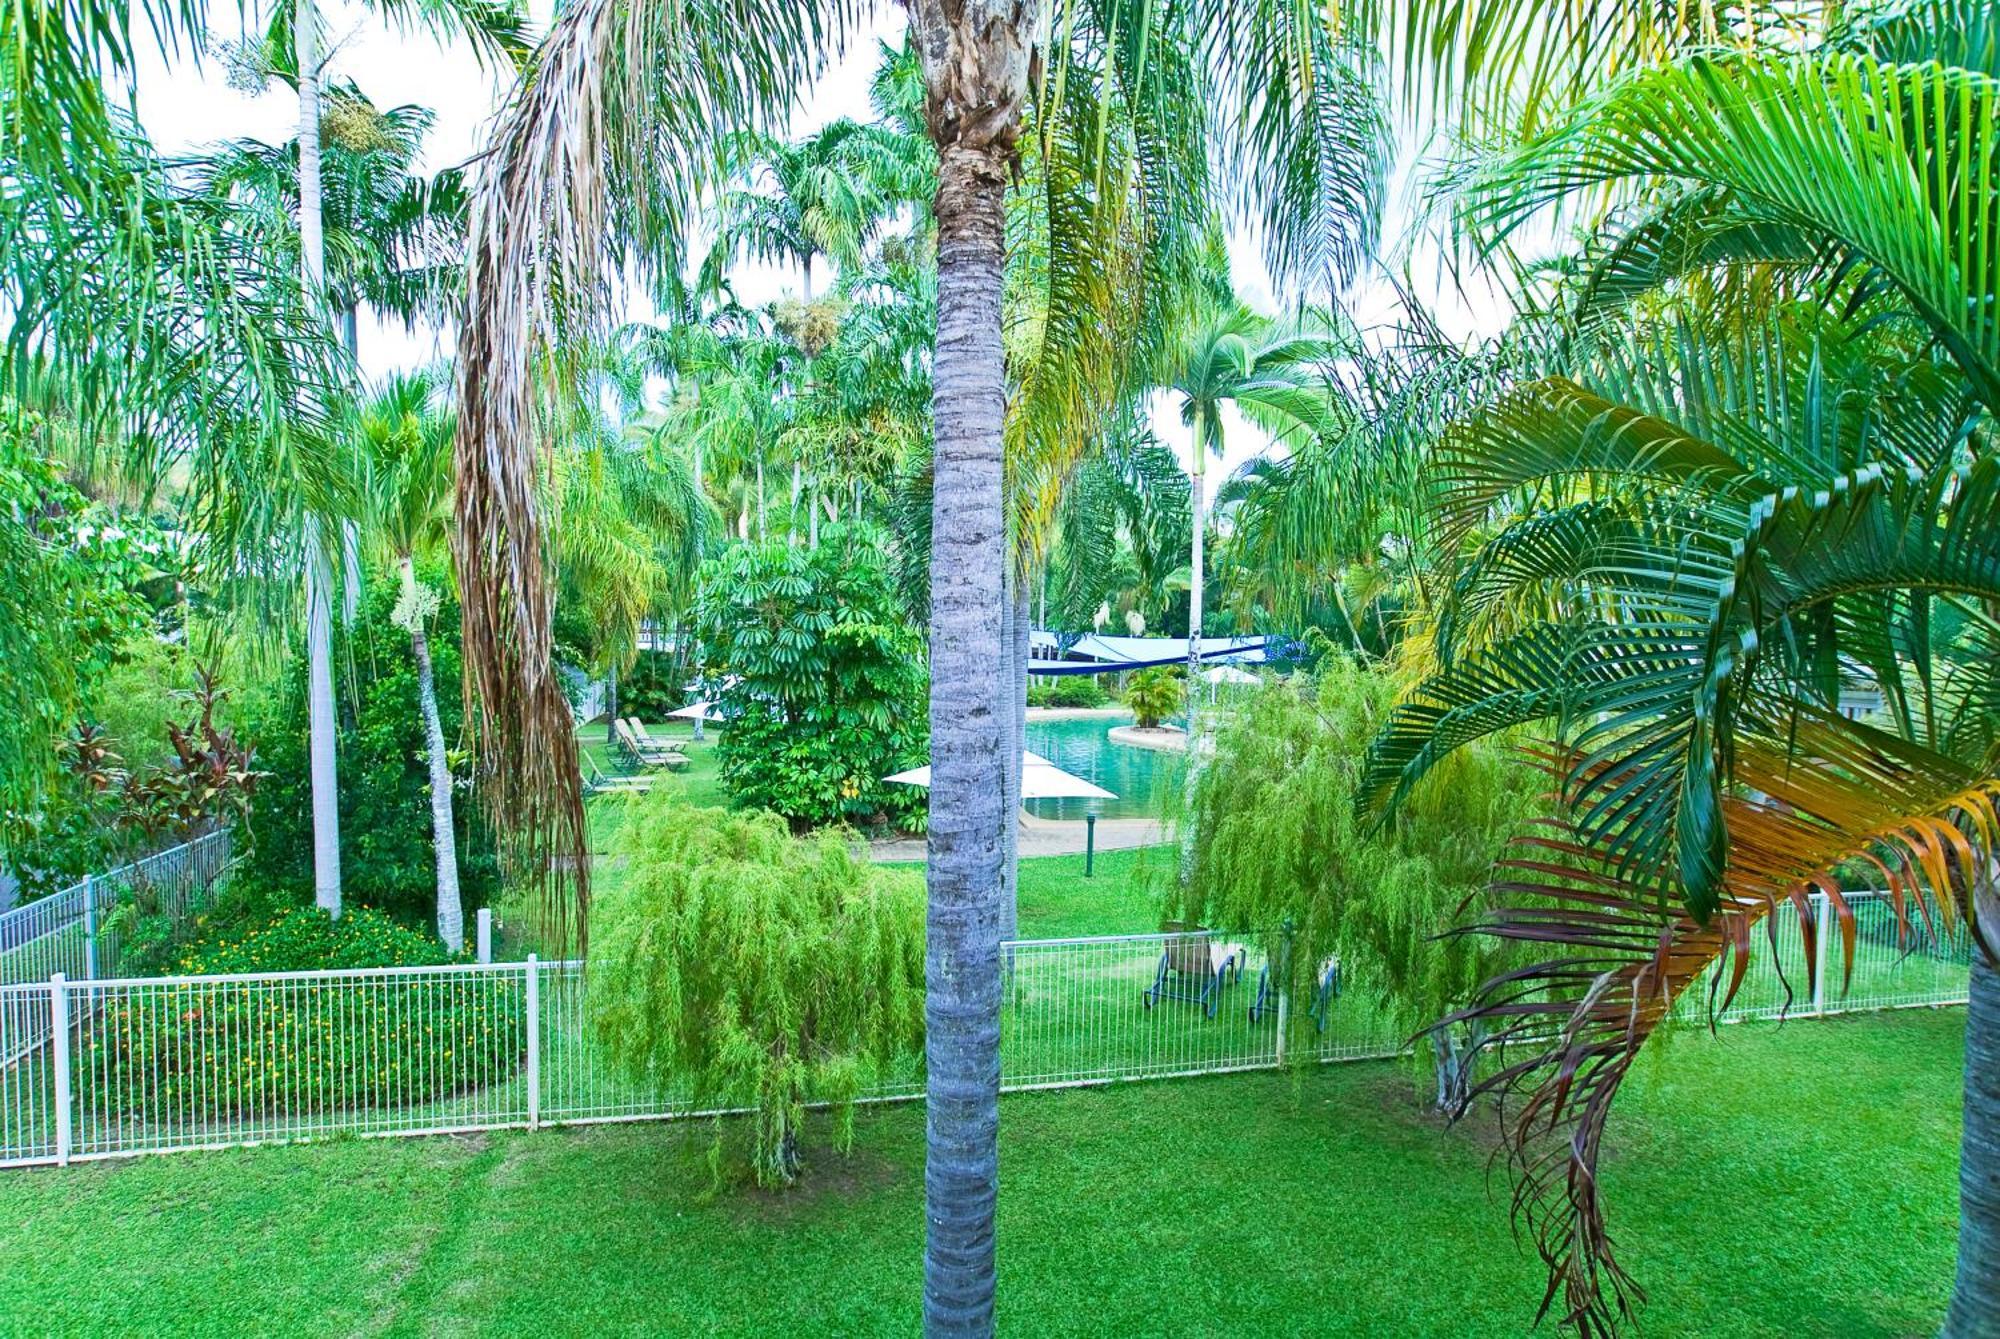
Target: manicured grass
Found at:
x=1767, y=1181
x=700, y=784
x=1122, y=896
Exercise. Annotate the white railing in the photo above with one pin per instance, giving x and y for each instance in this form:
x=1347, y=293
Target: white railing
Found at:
x=69, y=931
x=93, y=1069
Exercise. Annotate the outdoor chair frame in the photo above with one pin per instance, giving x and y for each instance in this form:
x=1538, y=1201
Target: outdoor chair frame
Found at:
x=1190, y=970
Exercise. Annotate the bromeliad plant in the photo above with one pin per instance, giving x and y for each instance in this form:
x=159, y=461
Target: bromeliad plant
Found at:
x=1768, y=478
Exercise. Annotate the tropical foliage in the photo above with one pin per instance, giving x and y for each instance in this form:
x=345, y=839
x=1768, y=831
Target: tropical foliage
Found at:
x=388, y=851
x=1275, y=842
x=1155, y=694
x=1753, y=480
x=736, y=967
x=818, y=676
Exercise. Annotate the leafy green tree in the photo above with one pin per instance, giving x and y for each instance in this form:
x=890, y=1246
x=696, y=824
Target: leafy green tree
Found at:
x=388, y=845
x=70, y=572
x=1276, y=840
x=818, y=676
x=736, y=966
x=825, y=196
x=405, y=435
x=1277, y=374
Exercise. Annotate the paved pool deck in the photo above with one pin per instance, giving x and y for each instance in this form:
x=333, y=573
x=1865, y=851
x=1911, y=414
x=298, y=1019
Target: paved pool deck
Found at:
x=1048, y=836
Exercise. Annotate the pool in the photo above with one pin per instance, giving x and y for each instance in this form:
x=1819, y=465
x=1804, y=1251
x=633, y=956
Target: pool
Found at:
x=1138, y=777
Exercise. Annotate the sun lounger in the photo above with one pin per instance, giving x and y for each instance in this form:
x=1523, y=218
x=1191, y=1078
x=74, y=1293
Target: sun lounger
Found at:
x=1325, y=991
x=1194, y=966
x=641, y=751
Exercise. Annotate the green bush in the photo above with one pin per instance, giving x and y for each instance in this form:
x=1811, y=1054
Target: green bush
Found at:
x=734, y=966
x=821, y=681
x=386, y=858
x=1067, y=690
x=220, y=1051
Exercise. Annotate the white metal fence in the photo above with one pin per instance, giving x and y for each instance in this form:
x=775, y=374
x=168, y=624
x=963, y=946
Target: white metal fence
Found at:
x=92, y=1069
x=74, y=932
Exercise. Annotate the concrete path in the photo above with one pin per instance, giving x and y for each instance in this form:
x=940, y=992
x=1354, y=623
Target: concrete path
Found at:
x=1048, y=836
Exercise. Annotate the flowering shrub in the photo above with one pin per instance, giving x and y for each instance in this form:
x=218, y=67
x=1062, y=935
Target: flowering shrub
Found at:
x=288, y=1049
x=305, y=939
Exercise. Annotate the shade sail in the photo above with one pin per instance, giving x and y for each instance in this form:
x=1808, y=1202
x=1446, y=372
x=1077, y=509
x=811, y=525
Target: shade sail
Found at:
x=1040, y=780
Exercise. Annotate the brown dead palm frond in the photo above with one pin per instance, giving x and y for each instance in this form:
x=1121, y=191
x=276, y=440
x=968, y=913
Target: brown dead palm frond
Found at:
x=1925, y=827
x=617, y=131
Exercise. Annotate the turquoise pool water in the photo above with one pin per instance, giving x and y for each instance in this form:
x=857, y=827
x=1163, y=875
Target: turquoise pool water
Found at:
x=1140, y=778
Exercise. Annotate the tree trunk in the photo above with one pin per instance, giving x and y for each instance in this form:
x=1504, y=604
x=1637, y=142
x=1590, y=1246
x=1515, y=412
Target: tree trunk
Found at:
x=1195, y=502
x=319, y=707
x=611, y=707
x=966, y=846
x=444, y=833
x=1975, y=1301
x=812, y=518
x=319, y=576
x=975, y=56
x=762, y=533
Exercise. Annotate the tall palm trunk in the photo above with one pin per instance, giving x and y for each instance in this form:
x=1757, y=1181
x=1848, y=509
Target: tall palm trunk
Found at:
x=1195, y=504
x=1975, y=1302
x=962, y=963
x=320, y=723
x=319, y=577
x=975, y=57
x=444, y=837
x=1014, y=712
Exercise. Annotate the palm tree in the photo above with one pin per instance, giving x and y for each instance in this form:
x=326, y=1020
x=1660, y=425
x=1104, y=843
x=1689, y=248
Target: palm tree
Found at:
x=1691, y=562
x=405, y=434
x=604, y=158
x=492, y=27
x=1276, y=374
x=393, y=239
x=822, y=197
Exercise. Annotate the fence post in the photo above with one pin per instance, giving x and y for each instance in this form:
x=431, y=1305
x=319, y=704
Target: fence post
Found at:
x=485, y=922
x=90, y=927
x=59, y=1024
x=1821, y=908
x=534, y=1043
x=1281, y=976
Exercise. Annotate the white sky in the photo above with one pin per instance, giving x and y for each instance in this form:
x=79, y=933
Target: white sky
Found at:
x=185, y=104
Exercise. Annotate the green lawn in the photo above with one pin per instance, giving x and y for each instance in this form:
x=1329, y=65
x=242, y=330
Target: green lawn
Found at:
x=1769, y=1181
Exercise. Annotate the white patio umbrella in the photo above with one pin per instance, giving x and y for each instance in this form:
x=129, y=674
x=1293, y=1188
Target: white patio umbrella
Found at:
x=696, y=711
x=1222, y=674
x=1040, y=780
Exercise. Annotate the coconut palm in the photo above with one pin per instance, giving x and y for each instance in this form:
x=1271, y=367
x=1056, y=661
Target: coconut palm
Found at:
x=1276, y=374
x=604, y=158
x=404, y=432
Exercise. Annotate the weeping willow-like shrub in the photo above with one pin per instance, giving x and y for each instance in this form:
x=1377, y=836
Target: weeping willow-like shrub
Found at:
x=735, y=966
x=1274, y=840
